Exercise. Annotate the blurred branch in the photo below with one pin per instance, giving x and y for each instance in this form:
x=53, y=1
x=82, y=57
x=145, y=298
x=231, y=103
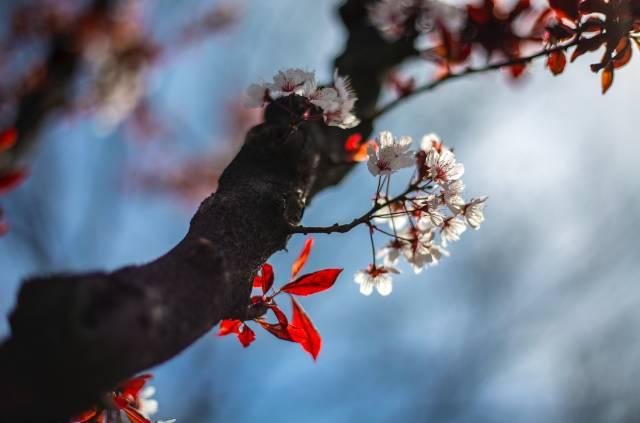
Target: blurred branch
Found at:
x=50, y=91
x=76, y=336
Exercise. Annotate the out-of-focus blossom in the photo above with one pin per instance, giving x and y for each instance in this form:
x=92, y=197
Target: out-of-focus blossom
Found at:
x=375, y=277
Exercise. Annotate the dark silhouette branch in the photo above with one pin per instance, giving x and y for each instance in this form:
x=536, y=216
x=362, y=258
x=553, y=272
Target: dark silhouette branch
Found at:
x=76, y=336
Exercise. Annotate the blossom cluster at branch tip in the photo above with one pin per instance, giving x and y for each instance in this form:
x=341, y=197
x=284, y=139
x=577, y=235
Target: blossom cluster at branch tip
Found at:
x=335, y=102
x=423, y=221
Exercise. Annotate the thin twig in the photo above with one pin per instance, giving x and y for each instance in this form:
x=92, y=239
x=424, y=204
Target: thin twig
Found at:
x=346, y=227
x=469, y=71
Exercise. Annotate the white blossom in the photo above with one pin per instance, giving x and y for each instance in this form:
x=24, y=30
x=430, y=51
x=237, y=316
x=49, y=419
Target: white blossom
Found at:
x=146, y=405
x=451, y=230
x=474, y=212
x=452, y=196
x=375, y=277
x=431, y=215
x=389, y=154
x=442, y=166
x=391, y=252
x=292, y=81
x=422, y=250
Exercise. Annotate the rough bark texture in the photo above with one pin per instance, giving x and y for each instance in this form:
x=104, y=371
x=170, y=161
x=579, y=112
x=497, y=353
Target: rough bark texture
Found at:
x=76, y=336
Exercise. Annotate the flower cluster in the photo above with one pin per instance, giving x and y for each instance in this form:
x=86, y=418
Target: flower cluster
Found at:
x=335, y=103
x=300, y=329
x=393, y=17
x=131, y=397
x=423, y=220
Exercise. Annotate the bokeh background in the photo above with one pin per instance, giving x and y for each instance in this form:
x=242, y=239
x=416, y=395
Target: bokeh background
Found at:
x=533, y=318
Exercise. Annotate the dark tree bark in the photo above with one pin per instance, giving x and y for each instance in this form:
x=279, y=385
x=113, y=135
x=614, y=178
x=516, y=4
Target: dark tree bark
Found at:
x=76, y=336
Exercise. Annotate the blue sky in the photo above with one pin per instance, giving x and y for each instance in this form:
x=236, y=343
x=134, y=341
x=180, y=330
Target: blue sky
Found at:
x=531, y=319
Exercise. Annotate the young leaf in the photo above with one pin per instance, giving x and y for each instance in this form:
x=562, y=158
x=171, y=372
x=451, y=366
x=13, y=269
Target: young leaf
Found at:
x=135, y=416
x=10, y=180
x=265, y=279
x=282, y=318
x=229, y=326
x=306, y=334
x=247, y=336
x=132, y=387
x=302, y=258
x=556, y=62
x=276, y=329
x=313, y=282
x=8, y=139
x=607, y=78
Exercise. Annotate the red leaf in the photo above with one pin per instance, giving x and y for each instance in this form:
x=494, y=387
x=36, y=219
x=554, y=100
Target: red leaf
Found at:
x=607, y=78
x=305, y=333
x=313, y=282
x=556, y=62
x=282, y=318
x=517, y=70
x=8, y=139
x=135, y=416
x=229, y=326
x=276, y=329
x=353, y=142
x=247, y=336
x=302, y=258
x=132, y=387
x=265, y=279
x=10, y=180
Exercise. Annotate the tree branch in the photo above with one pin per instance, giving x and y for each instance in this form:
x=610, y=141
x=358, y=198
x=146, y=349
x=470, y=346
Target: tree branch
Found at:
x=76, y=336
x=469, y=71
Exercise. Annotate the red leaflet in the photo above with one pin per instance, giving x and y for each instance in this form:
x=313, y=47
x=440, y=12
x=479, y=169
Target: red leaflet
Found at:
x=607, y=78
x=85, y=416
x=276, y=329
x=133, y=386
x=135, y=416
x=313, y=282
x=556, y=62
x=353, y=142
x=229, y=326
x=10, y=180
x=305, y=333
x=282, y=318
x=302, y=258
x=265, y=279
x=8, y=139
x=247, y=336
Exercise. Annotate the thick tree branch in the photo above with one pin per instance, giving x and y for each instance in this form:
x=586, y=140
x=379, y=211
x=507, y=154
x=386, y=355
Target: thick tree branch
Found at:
x=75, y=336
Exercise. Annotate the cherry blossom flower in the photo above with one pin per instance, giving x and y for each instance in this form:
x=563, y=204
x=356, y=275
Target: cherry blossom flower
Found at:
x=442, y=166
x=451, y=230
x=391, y=17
x=392, y=252
x=431, y=215
x=474, y=212
x=452, y=196
x=422, y=250
x=291, y=81
x=336, y=102
x=375, y=277
x=389, y=154
x=146, y=405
